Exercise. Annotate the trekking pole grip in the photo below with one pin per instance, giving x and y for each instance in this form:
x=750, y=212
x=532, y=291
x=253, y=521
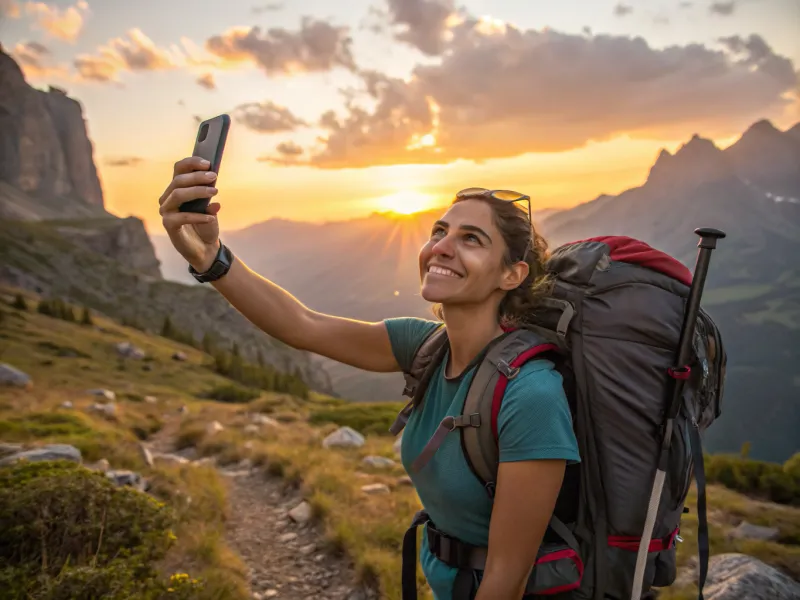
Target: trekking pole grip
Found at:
x=709, y=237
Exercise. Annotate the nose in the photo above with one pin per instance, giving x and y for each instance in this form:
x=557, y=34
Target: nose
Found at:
x=444, y=247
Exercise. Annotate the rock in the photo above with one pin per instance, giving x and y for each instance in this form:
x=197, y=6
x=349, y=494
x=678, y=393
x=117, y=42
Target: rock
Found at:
x=734, y=576
x=378, y=461
x=288, y=537
x=214, y=427
x=150, y=399
x=184, y=410
x=173, y=458
x=405, y=480
x=48, y=452
x=375, y=488
x=14, y=377
x=107, y=394
x=123, y=477
x=250, y=429
x=6, y=449
x=128, y=350
x=206, y=461
x=180, y=356
x=108, y=410
x=344, y=437
x=746, y=530
x=260, y=419
x=66, y=404
x=301, y=513
x=147, y=456
x=270, y=593
x=308, y=549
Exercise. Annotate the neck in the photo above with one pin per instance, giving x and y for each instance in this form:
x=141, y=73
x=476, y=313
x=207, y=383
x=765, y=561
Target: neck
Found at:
x=469, y=330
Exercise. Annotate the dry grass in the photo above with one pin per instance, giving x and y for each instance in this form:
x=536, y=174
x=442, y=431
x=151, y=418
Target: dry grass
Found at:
x=369, y=528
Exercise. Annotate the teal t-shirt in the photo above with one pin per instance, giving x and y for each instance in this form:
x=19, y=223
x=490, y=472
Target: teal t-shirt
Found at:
x=534, y=423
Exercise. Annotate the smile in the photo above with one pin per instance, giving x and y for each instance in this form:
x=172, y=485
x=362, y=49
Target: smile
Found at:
x=443, y=271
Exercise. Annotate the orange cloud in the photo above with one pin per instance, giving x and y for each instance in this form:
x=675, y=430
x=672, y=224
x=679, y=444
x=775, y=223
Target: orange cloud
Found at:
x=207, y=81
x=498, y=91
x=34, y=60
x=266, y=117
x=136, y=53
x=65, y=24
x=317, y=46
x=10, y=9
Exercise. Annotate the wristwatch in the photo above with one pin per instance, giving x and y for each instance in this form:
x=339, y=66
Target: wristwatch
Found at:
x=220, y=266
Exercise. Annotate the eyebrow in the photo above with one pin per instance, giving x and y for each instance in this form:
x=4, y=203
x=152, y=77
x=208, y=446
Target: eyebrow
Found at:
x=474, y=228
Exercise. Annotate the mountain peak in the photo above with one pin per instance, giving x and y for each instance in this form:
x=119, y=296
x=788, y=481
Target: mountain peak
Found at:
x=696, y=161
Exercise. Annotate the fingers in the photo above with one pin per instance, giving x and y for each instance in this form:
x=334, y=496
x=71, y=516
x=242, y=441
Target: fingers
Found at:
x=185, y=180
x=189, y=164
x=180, y=195
x=175, y=220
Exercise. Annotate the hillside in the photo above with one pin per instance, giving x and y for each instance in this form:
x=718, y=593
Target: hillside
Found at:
x=360, y=505
x=367, y=268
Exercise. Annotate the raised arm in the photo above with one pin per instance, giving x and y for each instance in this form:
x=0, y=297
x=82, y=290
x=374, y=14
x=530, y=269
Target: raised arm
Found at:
x=268, y=306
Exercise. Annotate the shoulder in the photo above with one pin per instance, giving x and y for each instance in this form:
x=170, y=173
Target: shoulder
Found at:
x=534, y=420
x=406, y=334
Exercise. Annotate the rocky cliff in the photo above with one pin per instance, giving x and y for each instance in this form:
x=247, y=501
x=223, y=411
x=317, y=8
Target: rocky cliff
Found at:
x=45, y=151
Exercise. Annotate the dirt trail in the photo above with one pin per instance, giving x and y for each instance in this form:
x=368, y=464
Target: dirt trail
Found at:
x=284, y=558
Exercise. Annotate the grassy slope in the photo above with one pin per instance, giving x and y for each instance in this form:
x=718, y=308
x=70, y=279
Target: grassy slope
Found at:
x=369, y=528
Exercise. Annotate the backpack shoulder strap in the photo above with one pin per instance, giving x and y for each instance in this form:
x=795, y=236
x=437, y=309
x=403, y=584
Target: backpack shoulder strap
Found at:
x=426, y=359
x=485, y=397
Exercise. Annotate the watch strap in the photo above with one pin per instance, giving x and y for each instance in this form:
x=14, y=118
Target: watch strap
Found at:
x=220, y=266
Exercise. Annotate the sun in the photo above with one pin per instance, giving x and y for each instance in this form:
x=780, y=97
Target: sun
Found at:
x=406, y=202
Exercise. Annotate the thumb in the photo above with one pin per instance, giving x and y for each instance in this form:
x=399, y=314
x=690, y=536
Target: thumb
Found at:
x=213, y=208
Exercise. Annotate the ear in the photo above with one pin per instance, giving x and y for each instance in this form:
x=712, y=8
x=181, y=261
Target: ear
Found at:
x=514, y=275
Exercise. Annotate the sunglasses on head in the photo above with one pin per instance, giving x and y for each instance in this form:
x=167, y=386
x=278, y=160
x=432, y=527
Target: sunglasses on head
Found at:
x=505, y=195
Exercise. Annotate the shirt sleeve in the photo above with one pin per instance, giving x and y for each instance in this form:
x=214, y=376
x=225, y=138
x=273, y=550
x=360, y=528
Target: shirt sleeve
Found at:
x=534, y=421
x=406, y=334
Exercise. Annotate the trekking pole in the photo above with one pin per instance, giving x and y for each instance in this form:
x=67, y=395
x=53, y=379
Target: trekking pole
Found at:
x=679, y=374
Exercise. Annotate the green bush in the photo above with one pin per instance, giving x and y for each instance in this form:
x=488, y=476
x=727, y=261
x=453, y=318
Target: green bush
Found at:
x=364, y=417
x=69, y=532
x=775, y=482
x=232, y=393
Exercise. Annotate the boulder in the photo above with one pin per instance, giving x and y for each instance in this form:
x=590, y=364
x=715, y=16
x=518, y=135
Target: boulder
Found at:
x=344, y=437
x=14, y=377
x=48, y=452
x=735, y=576
x=378, y=461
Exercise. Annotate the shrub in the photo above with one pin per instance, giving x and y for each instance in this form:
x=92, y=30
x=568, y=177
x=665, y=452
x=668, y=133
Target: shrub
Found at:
x=69, y=532
x=19, y=302
x=775, y=482
x=232, y=393
x=365, y=417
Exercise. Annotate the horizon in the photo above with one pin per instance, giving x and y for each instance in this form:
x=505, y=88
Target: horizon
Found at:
x=643, y=80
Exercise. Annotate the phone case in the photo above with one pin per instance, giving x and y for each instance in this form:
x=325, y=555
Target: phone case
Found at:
x=209, y=144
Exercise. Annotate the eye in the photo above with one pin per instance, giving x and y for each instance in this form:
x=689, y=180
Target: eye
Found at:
x=438, y=230
x=471, y=237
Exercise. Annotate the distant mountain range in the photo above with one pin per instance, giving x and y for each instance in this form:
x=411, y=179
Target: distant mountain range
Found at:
x=367, y=268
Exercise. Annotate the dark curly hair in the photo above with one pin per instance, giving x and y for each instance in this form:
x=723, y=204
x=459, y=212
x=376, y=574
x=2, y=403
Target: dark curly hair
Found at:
x=523, y=242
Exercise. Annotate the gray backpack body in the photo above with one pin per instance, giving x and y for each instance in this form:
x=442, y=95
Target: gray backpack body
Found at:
x=611, y=326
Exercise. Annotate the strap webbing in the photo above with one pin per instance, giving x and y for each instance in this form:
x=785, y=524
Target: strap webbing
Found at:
x=702, y=520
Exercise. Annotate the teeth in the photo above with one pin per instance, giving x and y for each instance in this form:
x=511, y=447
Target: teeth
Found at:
x=443, y=271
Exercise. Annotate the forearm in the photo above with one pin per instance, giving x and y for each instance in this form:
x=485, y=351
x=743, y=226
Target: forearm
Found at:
x=497, y=585
x=267, y=305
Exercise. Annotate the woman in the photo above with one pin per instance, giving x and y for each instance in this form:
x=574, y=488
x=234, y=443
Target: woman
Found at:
x=482, y=266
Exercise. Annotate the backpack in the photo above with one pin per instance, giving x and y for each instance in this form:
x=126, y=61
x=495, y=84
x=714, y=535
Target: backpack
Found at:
x=611, y=325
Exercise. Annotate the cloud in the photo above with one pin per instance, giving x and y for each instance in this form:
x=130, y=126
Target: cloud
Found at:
x=207, y=81
x=622, y=10
x=35, y=61
x=499, y=91
x=266, y=117
x=65, y=24
x=316, y=47
x=422, y=23
x=124, y=161
x=10, y=9
x=724, y=9
x=270, y=7
x=136, y=53
x=288, y=154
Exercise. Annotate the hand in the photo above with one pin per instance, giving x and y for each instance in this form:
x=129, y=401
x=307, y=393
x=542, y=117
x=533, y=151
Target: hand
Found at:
x=195, y=236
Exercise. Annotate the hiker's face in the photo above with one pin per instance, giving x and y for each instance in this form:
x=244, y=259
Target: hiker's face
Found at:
x=462, y=262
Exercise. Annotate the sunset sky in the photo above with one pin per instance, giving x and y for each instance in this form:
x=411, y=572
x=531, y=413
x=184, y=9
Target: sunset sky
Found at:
x=341, y=110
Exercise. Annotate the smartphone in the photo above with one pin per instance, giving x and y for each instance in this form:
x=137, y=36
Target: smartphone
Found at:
x=209, y=144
